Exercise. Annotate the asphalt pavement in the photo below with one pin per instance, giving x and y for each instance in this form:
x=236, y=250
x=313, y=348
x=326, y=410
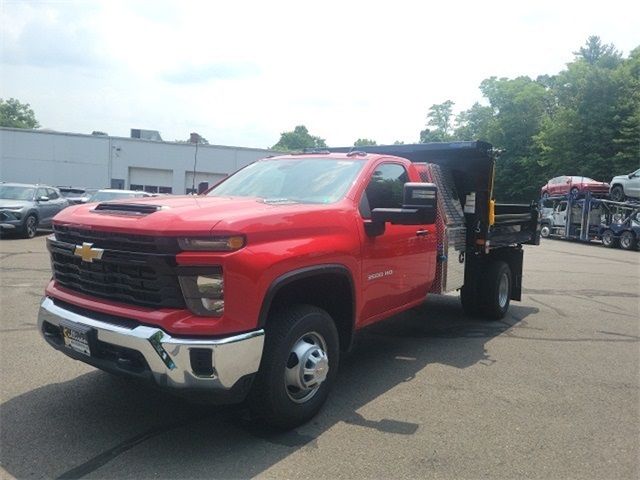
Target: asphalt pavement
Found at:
x=552, y=391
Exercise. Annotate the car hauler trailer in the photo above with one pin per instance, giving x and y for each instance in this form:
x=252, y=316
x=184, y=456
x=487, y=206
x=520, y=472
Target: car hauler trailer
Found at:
x=586, y=217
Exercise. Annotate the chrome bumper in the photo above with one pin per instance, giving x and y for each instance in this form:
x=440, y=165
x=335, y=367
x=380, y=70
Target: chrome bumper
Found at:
x=168, y=358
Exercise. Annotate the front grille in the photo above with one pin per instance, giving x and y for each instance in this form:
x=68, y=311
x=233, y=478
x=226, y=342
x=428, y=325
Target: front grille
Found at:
x=142, y=279
x=115, y=240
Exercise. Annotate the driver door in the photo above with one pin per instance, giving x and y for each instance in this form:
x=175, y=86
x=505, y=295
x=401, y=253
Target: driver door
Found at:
x=397, y=266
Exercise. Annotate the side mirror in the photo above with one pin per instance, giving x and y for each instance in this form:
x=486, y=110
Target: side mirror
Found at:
x=419, y=207
x=630, y=176
x=43, y=198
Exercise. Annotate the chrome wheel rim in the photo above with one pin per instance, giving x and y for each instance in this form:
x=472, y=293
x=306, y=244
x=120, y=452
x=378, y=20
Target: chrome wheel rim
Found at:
x=307, y=367
x=607, y=238
x=31, y=226
x=544, y=231
x=503, y=291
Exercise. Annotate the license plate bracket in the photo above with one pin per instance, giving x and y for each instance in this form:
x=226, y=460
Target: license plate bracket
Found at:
x=77, y=337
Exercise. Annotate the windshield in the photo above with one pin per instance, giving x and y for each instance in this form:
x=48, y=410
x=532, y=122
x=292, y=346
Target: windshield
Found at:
x=304, y=180
x=106, y=196
x=16, y=193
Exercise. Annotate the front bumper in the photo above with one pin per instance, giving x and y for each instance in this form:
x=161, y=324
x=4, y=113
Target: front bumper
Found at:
x=9, y=222
x=148, y=352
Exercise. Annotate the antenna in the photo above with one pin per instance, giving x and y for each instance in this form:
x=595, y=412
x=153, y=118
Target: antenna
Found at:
x=195, y=162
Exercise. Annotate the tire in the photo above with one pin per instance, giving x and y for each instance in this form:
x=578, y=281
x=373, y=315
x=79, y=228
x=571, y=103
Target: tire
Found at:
x=574, y=191
x=628, y=240
x=617, y=193
x=469, y=301
x=545, y=195
x=545, y=230
x=608, y=239
x=30, y=227
x=276, y=395
x=495, y=290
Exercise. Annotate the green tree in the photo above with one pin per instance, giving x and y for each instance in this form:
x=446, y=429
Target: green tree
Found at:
x=593, y=130
x=17, y=115
x=440, y=117
x=475, y=123
x=594, y=52
x=298, y=139
x=583, y=121
x=363, y=142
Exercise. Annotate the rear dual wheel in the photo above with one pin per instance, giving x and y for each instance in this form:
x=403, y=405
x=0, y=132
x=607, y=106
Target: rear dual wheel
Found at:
x=492, y=295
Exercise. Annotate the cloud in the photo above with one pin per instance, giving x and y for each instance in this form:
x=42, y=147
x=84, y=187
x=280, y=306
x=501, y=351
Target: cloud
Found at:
x=48, y=37
x=212, y=71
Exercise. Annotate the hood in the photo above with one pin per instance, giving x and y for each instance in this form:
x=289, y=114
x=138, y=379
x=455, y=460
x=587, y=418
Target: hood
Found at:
x=620, y=177
x=8, y=203
x=179, y=215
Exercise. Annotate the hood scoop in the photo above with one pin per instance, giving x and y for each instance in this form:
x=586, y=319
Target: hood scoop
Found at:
x=132, y=209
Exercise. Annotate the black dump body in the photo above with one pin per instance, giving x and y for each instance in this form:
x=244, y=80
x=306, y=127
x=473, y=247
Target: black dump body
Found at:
x=472, y=166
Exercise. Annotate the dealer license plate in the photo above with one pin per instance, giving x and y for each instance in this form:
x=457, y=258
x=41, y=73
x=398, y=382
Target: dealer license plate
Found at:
x=76, y=337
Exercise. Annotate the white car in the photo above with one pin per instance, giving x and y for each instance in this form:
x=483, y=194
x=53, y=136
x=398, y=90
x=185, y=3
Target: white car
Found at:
x=108, y=194
x=625, y=186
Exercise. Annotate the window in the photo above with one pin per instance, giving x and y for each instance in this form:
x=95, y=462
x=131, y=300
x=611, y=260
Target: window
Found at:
x=52, y=194
x=136, y=187
x=164, y=189
x=151, y=189
x=117, y=183
x=385, y=188
x=42, y=192
x=562, y=207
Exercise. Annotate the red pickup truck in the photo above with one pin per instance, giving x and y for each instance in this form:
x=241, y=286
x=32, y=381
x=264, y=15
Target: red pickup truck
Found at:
x=255, y=288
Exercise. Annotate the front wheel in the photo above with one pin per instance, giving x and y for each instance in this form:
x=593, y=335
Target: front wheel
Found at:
x=30, y=227
x=608, y=239
x=545, y=230
x=298, y=367
x=627, y=240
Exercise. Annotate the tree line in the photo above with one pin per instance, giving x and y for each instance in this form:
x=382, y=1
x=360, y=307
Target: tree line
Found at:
x=583, y=121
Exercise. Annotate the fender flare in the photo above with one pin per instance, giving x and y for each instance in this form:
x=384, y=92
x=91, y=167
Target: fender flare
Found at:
x=301, y=273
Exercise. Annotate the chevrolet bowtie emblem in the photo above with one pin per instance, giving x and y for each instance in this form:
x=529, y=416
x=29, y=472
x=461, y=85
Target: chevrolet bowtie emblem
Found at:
x=87, y=253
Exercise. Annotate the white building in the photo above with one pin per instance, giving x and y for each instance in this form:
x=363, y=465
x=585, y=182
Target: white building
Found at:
x=99, y=161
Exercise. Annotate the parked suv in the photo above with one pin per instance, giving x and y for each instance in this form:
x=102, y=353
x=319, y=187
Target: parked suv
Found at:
x=574, y=185
x=623, y=186
x=76, y=195
x=24, y=208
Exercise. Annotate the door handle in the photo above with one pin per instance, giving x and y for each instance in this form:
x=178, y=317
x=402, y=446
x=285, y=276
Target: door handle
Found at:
x=422, y=233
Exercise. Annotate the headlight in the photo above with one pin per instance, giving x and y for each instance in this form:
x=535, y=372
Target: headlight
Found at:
x=204, y=294
x=213, y=244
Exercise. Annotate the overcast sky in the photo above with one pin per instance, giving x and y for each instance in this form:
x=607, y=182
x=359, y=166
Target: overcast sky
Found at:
x=240, y=73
